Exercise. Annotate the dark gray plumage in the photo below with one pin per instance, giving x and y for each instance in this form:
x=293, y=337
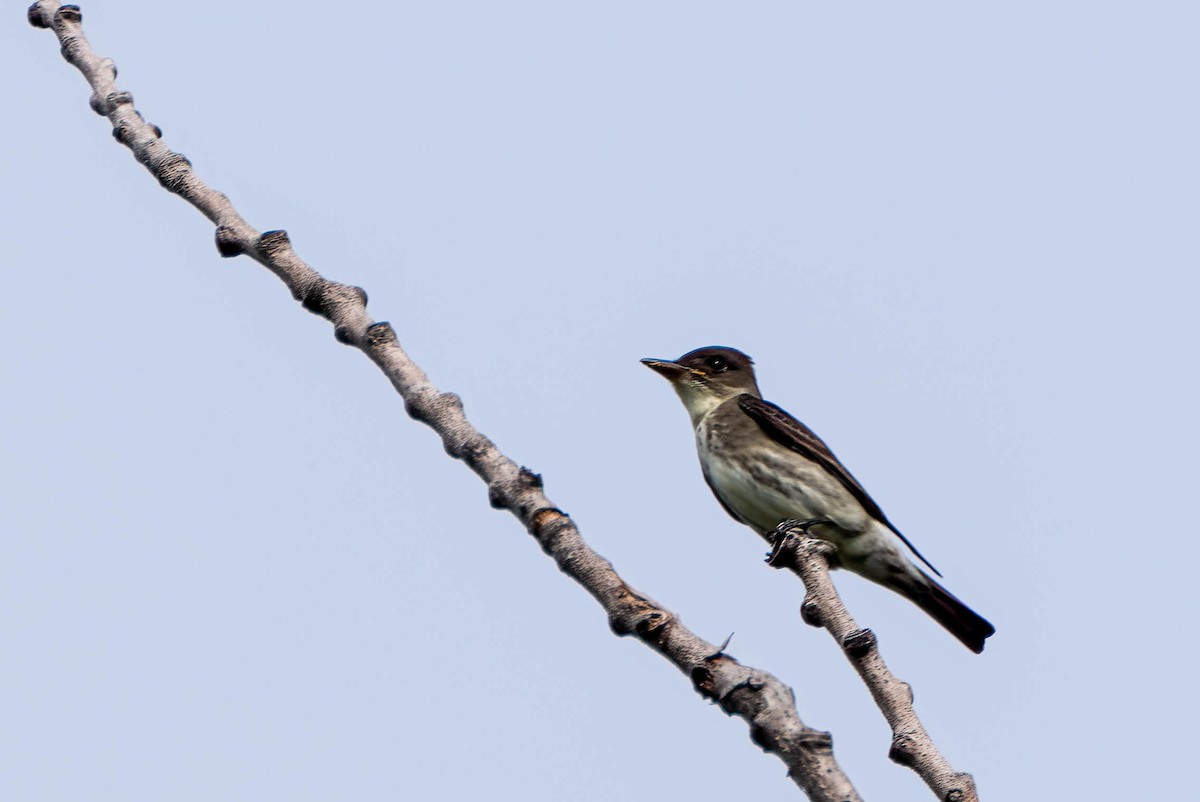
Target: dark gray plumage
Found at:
x=765, y=467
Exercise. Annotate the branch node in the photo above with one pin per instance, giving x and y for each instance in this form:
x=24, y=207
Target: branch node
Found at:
x=859, y=642
x=69, y=14
x=228, y=242
x=649, y=627
x=546, y=524
x=810, y=613
x=273, y=243
x=95, y=105
x=531, y=480
x=118, y=98
x=452, y=400
x=762, y=737
x=817, y=740
x=704, y=681
x=414, y=406
x=381, y=334
x=901, y=751
x=173, y=171
x=34, y=15
x=330, y=299
x=506, y=495
x=314, y=299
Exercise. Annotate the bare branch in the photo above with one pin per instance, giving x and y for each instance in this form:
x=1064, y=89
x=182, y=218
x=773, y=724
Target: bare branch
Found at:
x=809, y=558
x=765, y=703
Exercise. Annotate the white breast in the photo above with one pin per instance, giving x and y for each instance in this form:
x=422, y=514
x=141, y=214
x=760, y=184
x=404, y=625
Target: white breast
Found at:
x=776, y=485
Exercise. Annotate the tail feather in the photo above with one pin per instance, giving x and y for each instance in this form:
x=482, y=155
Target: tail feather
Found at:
x=961, y=621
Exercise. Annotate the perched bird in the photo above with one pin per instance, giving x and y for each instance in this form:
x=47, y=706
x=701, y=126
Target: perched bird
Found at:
x=765, y=467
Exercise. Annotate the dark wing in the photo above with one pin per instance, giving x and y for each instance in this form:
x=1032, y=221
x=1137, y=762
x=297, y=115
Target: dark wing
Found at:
x=787, y=431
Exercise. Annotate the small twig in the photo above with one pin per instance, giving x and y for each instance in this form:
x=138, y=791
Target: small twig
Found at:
x=809, y=558
x=764, y=702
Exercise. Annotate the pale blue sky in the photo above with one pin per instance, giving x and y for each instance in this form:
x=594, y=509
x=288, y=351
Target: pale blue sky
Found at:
x=957, y=238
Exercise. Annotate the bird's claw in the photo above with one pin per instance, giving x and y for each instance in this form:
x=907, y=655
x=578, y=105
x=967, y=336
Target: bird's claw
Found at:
x=780, y=534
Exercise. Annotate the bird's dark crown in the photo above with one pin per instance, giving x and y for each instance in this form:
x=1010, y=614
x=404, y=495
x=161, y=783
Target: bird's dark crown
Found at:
x=716, y=359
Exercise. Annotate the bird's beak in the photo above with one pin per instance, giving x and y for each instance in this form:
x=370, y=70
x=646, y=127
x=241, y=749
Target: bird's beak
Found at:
x=671, y=371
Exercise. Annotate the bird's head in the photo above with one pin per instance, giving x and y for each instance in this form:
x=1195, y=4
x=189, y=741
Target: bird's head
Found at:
x=707, y=377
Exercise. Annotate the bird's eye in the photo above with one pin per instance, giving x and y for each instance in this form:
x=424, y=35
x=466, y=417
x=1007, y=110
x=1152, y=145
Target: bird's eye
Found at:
x=717, y=364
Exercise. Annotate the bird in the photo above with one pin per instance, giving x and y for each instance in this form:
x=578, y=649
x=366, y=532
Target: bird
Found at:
x=766, y=467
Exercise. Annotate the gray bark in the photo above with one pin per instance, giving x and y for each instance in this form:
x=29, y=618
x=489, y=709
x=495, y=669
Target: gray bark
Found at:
x=765, y=703
x=809, y=558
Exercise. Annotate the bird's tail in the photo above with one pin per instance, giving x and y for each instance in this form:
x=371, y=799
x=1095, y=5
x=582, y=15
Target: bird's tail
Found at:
x=962, y=622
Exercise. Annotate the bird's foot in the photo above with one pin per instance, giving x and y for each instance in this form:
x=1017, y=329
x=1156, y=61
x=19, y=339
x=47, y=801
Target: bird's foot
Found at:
x=781, y=533
x=803, y=526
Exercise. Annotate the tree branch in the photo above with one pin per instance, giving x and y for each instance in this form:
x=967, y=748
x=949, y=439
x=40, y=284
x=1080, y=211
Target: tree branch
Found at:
x=765, y=703
x=809, y=558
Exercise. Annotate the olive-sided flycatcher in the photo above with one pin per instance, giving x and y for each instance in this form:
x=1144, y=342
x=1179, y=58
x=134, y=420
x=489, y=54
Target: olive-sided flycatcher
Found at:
x=765, y=467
